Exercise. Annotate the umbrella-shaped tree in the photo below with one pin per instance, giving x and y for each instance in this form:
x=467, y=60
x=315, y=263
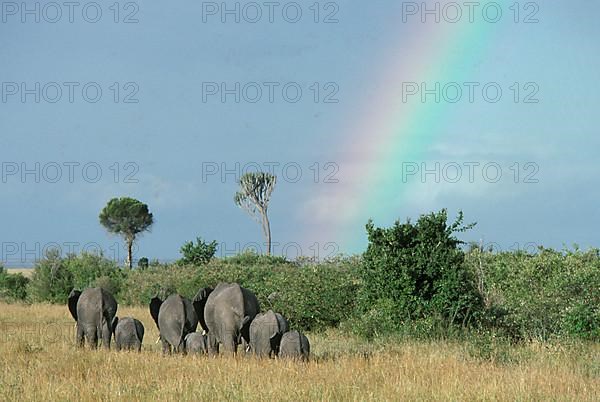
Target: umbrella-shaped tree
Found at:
x=128, y=218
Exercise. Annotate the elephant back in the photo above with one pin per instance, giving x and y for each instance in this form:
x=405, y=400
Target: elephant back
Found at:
x=230, y=307
x=176, y=318
x=265, y=332
x=96, y=303
x=294, y=345
x=126, y=331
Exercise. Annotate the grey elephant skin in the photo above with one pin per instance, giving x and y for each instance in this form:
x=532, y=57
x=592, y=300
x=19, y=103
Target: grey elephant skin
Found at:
x=129, y=333
x=175, y=318
x=94, y=310
x=196, y=343
x=294, y=345
x=226, y=313
x=266, y=331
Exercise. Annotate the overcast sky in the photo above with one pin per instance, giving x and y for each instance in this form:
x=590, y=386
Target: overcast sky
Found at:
x=94, y=110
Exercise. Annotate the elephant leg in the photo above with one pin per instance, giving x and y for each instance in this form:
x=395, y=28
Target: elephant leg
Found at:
x=229, y=345
x=138, y=346
x=91, y=334
x=79, y=336
x=166, y=348
x=106, y=335
x=118, y=346
x=213, y=345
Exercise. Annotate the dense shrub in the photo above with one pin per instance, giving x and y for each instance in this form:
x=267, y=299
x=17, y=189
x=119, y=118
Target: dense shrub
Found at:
x=51, y=280
x=416, y=271
x=252, y=259
x=12, y=286
x=143, y=263
x=311, y=296
x=197, y=253
x=90, y=270
x=549, y=293
x=55, y=276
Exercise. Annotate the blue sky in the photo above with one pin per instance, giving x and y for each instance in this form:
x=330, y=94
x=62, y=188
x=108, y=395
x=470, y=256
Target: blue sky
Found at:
x=170, y=135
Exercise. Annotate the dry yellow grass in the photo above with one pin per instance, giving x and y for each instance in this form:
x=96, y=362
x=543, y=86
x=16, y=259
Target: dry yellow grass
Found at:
x=39, y=362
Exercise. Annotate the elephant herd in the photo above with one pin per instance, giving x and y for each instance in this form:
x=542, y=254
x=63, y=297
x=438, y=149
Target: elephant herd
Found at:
x=229, y=316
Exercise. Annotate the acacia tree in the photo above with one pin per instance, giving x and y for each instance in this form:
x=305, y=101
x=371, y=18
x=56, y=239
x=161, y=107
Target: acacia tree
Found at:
x=253, y=197
x=126, y=217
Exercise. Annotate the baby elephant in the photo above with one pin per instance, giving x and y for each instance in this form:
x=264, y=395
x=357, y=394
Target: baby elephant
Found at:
x=129, y=333
x=294, y=345
x=196, y=343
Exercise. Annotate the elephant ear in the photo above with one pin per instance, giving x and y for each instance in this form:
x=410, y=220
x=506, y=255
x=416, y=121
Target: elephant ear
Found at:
x=282, y=323
x=113, y=325
x=139, y=329
x=199, y=302
x=72, y=302
x=155, y=304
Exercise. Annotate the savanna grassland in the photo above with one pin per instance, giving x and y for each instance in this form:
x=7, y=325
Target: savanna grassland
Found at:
x=40, y=362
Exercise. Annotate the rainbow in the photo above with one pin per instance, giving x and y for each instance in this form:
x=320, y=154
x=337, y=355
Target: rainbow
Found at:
x=382, y=135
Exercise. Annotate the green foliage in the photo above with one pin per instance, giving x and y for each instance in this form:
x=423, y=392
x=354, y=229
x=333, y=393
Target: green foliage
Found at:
x=541, y=295
x=12, y=286
x=311, y=296
x=254, y=196
x=255, y=192
x=250, y=258
x=582, y=321
x=199, y=253
x=126, y=217
x=143, y=263
x=52, y=281
x=55, y=276
x=416, y=272
x=375, y=322
x=87, y=268
x=414, y=281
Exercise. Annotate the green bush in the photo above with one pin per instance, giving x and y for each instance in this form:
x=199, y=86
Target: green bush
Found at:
x=252, y=259
x=311, y=296
x=377, y=321
x=417, y=271
x=55, y=276
x=87, y=268
x=12, y=286
x=51, y=281
x=143, y=263
x=541, y=295
x=582, y=321
x=197, y=253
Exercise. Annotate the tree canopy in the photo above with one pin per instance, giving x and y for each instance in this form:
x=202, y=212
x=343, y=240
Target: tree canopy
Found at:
x=254, y=196
x=126, y=217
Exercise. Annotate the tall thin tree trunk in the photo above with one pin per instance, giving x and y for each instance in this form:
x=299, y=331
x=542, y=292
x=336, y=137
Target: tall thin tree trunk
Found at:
x=267, y=231
x=129, y=253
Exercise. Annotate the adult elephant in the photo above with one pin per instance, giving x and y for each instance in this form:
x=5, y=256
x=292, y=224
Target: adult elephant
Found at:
x=226, y=313
x=175, y=318
x=94, y=310
x=266, y=331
